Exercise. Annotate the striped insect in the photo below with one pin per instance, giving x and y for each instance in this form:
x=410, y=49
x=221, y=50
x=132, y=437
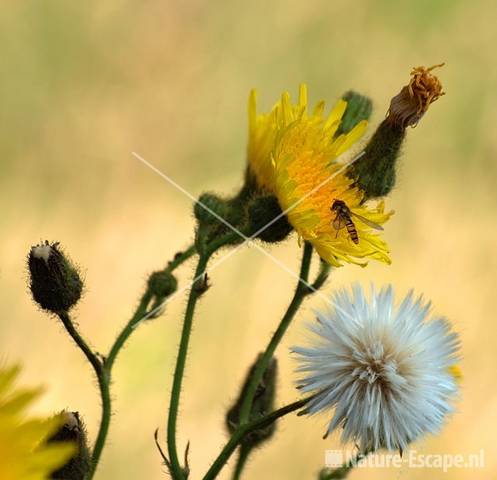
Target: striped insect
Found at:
x=343, y=218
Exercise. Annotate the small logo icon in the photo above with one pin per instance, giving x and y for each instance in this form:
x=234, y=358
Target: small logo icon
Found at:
x=333, y=458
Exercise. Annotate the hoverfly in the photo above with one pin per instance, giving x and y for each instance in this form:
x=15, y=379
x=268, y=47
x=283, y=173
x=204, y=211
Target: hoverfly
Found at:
x=343, y=219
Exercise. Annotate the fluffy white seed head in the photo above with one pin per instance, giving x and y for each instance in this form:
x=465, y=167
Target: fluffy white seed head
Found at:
x=384, y=370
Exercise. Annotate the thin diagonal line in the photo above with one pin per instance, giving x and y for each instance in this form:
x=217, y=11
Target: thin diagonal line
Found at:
x=308, y=194
x=247, y=239
x=228, y=224
x=222, y=260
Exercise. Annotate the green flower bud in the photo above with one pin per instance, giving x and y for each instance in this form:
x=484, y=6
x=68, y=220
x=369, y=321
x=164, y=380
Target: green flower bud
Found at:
x=375, y=171
x=161, y=285
x=261, y=212
x=359, y=107
x=73, y=430
x=263, y=404
x=207, y=203
x=209, y=210
x=54, y=281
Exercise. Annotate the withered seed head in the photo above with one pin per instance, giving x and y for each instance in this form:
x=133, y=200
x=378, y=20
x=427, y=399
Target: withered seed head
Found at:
x=407, y=108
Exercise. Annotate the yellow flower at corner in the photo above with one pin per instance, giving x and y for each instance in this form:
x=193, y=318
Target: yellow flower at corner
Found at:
x=294, y=155
x=23, y=451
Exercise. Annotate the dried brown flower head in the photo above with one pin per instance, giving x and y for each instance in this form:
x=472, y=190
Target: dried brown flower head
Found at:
x=407, y=108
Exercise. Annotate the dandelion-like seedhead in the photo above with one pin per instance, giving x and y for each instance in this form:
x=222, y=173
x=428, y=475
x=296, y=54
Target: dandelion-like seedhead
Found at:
x=386, y=371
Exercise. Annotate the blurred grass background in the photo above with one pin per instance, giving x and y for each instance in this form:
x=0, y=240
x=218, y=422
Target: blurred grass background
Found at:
x=82, y=84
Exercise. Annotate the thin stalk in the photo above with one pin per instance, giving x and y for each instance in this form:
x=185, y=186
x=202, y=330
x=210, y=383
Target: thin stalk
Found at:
x=243, y=454
x=141, y=311
x=81, y=342
x=180, y=258
x=103, y=385
x=244, y=430
x=301, y=291
x=103, y=365
x=196, y=291
x=176, y=469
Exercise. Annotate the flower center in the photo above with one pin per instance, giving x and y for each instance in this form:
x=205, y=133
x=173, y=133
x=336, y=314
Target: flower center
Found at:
x=374, y=364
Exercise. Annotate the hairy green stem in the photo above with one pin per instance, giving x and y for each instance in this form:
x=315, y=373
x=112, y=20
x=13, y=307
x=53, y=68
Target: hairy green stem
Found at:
x=243, y=430
x=81, y=342
x=243, y=454
x=301, y=291
x=103, y=365
x=176, y=469
x=196, y=290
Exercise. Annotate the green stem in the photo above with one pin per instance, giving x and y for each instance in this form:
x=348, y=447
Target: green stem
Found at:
x=180, y=258
x=244, y=430
x=301, y=292
x=243, y=454
x=177, y=471
x=196, y=291
x=103, y=367
x=103, y=385
x=141, y=311
x=81, y=343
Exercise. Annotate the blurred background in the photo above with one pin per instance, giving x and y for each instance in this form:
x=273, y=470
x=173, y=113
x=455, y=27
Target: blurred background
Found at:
x=83, y=84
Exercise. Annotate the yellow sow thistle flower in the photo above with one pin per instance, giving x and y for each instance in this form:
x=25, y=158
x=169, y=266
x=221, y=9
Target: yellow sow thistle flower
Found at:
x=293, y=154
x=265, y=129
x=23, y=452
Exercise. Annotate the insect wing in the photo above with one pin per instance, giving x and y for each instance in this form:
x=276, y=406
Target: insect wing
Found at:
x=367, y=222
x=339, y=222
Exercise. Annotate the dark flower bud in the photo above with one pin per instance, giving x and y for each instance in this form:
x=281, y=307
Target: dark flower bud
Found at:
x=375, y=171
x=54, y=281
x=263, y=404
x=209, y=203
x=359, y=107
x=161, y=285
x=262, y=212
x=73, y=430
x=216, y=217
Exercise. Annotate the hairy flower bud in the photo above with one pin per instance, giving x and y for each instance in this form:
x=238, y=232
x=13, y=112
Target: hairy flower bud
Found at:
x=375, y=171
x=263, y=404
x=208, y=203
x=359, y=107
x=217, y=216
x=73, y=430
x=161, y=285
x=263, y=212
x=54, y=281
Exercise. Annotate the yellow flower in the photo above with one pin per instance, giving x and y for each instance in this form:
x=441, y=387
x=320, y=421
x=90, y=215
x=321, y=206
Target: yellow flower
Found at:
x=23, y=451
x=293, y=154
x=265, y=129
